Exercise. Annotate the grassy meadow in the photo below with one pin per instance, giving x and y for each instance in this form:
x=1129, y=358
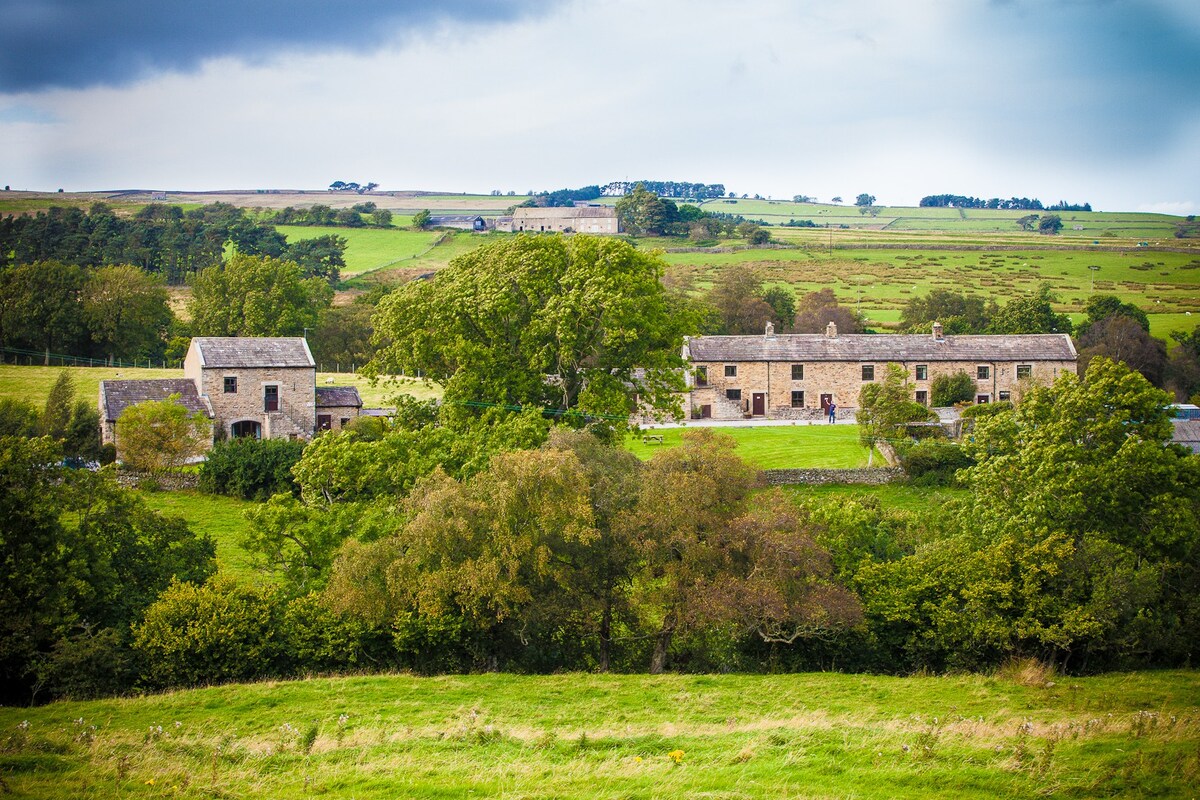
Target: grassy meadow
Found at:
x=774, y=447
x=220, y=517
x=369, y=249
x=1020, y=733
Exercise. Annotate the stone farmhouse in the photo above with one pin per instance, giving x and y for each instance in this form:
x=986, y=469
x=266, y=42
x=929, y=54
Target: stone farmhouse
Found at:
x=798, y=375
x=262, y=387
x=578, y=219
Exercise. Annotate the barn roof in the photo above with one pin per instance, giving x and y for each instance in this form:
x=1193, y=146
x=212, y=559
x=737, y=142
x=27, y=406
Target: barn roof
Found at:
x=1187, y=433
x=882, y=347
x=338, y=397
x=116, y=396
x=219, y=352
x=566, y=212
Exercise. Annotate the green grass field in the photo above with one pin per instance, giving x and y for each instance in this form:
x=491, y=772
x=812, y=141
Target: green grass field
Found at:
x=891, y=495
x=33, y=383
x=608, y=736
x=222, y=518
x=776, y=447
x=369, y=249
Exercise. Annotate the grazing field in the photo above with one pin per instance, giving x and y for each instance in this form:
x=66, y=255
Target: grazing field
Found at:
x=1017, y=734
x=898, y=495
x=776, y=447
x=222, y=518
x=369, y=248
x=34, y=383
x=879, y=281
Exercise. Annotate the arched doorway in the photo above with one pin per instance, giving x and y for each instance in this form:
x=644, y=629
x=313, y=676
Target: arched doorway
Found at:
x=246, y=427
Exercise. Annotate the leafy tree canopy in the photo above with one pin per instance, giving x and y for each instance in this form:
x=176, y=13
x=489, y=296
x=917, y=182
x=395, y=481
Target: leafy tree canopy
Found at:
x=580, y=324
x=257, y=296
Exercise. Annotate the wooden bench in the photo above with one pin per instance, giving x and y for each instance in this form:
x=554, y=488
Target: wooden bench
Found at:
x=654, y=438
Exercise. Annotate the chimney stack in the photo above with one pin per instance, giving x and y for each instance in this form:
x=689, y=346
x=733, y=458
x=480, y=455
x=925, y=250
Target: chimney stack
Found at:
x=770, y=333
x=831, y=330
x=937, y=331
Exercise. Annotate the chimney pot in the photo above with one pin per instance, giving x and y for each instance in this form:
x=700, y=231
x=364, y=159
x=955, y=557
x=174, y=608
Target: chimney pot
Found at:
x=770, y=333
x=831, y=330
x=937, y=331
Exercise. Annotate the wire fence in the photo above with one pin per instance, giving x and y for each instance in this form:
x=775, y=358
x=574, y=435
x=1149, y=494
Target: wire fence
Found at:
x=33, y=358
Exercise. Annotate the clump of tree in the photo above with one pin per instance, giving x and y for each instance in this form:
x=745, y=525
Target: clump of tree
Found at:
x=1014, y=203
x=885, y=408
x=816, y=310
x=421, y=219
x=1024, y=315
x=81, y=559
x=353, y=186
x=252, y=469
x=644, y=213
x=577, y=542
x=1121, y=332
x=680, y=189
x=159, y=435
x=958, y=313
x=1183, y=370
x=576, y=325
x=257, y=296
x=866, y=204
x=951, y=389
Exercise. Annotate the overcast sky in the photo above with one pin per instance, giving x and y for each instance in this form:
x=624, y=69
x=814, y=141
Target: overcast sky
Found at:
x=1072, y=100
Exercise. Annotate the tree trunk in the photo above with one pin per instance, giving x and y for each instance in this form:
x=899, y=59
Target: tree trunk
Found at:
x=606, y=638
x=658, y=661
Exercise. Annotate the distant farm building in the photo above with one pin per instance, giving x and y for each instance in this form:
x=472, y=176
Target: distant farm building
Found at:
x=464, y=222
x=585, y=219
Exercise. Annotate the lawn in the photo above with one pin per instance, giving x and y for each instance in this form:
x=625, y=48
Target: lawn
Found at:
x=369, y=249
x=621, y=736
x=218, y=516
x=776, y=447
x=34, y=383
x=891, y=495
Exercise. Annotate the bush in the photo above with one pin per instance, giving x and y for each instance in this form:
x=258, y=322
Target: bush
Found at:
x=253, y=469
x=934, y=463
x=946, y=390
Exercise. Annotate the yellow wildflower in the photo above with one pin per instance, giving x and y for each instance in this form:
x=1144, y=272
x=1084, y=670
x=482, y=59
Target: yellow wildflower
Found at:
x=676, y=756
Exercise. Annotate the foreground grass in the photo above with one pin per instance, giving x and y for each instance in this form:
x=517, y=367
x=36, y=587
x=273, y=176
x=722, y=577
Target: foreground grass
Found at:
x=732, y=736
x=776, y=447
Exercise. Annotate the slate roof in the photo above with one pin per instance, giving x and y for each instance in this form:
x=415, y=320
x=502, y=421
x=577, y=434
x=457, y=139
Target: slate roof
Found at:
x=1187, y=433
x=566, y=212
x=223, y=352
x=116, y=396
x=338, y=397
x=882, y=347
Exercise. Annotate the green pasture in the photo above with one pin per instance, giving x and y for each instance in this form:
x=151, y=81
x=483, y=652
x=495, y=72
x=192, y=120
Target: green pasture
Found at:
x=899, y=495
x=880, y=281
x=369, y=248
x=775, y=447
x=450, y=245
x=33, y=383
x=1017, y=734
x=221, y=517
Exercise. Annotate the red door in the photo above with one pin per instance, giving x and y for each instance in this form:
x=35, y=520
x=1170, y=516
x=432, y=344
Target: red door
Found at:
x=826, y=401
x=760, y=404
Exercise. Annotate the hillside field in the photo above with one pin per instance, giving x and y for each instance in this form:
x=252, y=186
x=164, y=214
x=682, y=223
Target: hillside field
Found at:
x=1019, y=734
x=369, y=248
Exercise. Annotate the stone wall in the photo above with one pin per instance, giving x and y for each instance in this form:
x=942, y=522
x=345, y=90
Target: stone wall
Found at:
x=167, y=481
x=872, y=476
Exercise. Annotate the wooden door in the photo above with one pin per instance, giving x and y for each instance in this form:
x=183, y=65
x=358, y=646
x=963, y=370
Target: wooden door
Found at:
x=826, y=401
x=760, y=404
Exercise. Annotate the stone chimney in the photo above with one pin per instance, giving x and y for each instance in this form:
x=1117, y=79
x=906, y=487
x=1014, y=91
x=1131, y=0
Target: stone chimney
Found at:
x=937, y=332
x=831, y=330
x=770, y=333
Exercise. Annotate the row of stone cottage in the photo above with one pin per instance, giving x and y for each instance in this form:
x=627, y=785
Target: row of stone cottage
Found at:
x=266, y=387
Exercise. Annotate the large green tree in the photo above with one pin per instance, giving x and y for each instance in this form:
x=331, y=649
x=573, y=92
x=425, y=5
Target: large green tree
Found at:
x=1030, y=315
x=577, y=325
x=257, y=296
x=885, y=408
x=126, y=311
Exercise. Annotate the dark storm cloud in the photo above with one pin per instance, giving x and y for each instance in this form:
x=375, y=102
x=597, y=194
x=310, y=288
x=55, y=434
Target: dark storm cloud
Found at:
x=81, y=43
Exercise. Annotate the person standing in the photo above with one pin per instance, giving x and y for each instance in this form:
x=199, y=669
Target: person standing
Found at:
x=832, y=413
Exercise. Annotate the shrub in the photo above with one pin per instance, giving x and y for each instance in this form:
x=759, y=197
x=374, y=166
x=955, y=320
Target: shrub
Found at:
x=253, y=469
x=934, y=463
x=946, y=390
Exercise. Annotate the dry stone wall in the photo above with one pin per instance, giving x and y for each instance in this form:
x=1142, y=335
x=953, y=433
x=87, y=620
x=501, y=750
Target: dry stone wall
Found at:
x=871, y=476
